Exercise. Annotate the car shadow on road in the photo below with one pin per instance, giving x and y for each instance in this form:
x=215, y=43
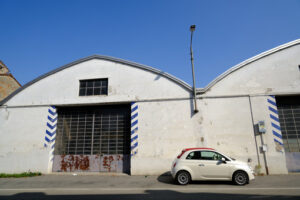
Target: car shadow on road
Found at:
x=168, y=179
x=147, y=194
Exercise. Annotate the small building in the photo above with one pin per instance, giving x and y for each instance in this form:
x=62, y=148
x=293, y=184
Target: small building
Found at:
x=8, y=83
x=102, y=114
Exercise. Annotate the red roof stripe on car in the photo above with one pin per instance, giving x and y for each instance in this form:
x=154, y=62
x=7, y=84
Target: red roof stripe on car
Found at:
x=198, y=148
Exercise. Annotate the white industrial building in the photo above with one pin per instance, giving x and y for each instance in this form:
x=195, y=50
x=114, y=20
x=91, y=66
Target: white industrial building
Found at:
x=104, y=114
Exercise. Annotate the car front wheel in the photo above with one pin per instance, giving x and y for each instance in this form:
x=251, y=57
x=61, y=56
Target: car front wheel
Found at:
x=240, y=178
x=183, y=177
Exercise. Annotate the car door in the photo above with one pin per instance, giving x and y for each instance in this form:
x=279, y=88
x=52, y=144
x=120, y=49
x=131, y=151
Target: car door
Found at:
x=212, y=166
x=193, y=162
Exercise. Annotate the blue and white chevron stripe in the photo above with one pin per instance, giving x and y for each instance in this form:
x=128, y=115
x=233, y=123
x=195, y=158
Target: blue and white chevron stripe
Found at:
x=134, y=128
x=51, y=130
x=275, y=123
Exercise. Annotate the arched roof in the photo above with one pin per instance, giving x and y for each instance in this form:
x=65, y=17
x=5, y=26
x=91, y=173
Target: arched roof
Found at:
x=101, y=57
x=246, y=62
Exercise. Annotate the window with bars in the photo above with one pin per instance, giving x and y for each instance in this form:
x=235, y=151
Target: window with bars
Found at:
x=289, y=117
x=93, y=87
x=93, y=130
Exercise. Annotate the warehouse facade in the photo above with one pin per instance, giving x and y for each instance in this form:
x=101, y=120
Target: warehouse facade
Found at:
x=101, y=114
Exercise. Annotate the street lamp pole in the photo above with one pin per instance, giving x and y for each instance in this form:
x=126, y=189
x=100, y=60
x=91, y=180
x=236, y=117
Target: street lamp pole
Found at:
x=192, y=29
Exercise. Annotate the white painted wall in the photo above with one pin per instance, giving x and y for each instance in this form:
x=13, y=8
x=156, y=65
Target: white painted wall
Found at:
x=165, y=128
x=22, y=132
x=228, y=127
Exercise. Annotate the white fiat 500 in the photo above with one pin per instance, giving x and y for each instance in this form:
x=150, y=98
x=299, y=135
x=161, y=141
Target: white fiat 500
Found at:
x=208, y=164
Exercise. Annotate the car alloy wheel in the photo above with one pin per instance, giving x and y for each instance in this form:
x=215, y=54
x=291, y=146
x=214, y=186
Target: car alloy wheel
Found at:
x=240, y=178
x=183, y=177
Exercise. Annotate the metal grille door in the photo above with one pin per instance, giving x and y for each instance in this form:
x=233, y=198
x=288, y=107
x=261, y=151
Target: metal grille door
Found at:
x=93, y=139
x=289, y=117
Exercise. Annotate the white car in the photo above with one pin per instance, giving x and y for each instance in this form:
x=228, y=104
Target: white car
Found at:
x=208, y=164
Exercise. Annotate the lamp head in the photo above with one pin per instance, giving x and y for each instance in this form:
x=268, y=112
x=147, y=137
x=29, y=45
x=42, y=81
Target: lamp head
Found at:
x=192, y=28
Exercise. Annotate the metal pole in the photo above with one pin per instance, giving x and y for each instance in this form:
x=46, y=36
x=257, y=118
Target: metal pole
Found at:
x=264, y=153
x=262, y=141
x=258, y=160
x=192, y=29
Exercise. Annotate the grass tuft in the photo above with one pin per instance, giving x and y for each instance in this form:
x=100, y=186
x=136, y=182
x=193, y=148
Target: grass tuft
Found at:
x=24, y=174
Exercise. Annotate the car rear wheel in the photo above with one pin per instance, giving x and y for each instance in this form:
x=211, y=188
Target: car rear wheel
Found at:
x=183, y=177
x=240, y=178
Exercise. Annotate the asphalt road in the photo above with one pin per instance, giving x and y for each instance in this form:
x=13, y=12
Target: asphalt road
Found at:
x=57, y=187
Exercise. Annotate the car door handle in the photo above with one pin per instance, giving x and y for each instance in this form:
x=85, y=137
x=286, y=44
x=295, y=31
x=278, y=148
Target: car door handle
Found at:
x=201, y=165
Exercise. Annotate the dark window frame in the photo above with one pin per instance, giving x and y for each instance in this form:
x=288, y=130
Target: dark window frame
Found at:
x=93, y=87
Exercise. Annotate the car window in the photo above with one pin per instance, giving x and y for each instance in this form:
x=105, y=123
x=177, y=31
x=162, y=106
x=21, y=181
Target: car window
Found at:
x=195, y=155
x=210, y=155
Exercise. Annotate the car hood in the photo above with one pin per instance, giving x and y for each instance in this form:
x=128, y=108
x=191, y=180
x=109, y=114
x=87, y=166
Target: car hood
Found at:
x=239, y=162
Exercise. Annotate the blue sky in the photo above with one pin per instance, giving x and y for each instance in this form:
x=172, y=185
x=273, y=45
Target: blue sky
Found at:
x=41, y=35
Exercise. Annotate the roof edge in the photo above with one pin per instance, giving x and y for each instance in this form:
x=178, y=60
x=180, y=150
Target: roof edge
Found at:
x=246, y=62
x=11, y=76
x=108, y=58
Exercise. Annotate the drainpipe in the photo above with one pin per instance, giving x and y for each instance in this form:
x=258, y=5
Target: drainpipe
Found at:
x=258, y=160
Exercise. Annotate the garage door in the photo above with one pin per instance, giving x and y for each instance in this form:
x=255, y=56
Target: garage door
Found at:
x=289, y=117
x=95, y=139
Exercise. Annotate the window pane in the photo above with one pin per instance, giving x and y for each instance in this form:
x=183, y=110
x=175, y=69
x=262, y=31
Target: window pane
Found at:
x=104, y=91
x=104, y=83
x=97, y=83
x=82, y=84
x=97, y=91
x=82, y=92
x=90, y=83
x=195, y=155
x=89, y=91
x=209, y=155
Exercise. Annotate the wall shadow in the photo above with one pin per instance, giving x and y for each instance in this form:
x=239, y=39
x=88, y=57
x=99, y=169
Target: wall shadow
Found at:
x=149, y=194
x=168, y=179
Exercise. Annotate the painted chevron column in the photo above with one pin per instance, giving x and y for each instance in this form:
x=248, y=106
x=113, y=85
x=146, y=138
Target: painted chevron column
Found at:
x=51, y=130
x=275, y=123
x=134, y=128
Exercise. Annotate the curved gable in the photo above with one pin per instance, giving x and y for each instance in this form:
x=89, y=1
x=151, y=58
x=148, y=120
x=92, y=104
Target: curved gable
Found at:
x=251, y=61
x=157, y=72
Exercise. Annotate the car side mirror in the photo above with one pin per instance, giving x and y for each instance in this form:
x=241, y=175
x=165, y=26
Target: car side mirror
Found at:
x=223, y=160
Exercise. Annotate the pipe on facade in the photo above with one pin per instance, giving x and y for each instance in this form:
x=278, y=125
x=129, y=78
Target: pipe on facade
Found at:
x=250, y=104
